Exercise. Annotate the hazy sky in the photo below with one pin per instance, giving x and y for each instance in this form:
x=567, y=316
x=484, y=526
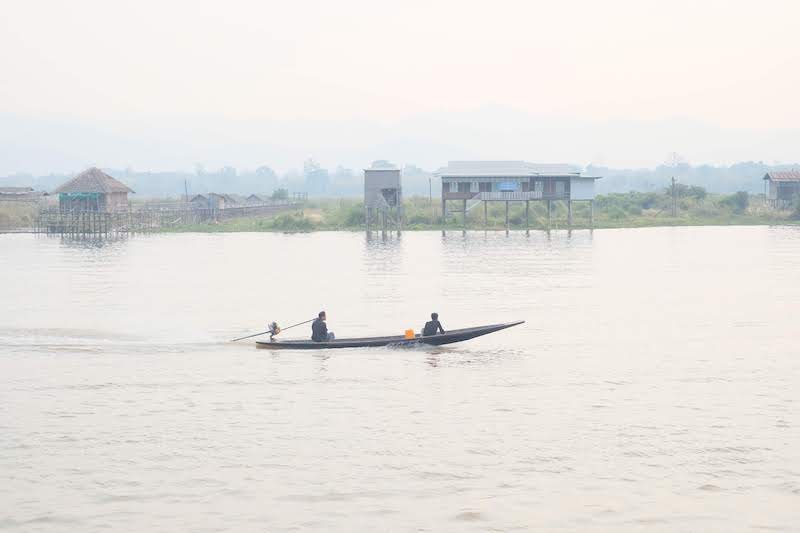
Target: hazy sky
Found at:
x=168, y=83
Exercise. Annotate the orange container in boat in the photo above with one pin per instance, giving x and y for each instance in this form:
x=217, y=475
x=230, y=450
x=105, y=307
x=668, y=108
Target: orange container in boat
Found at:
x=409, y=334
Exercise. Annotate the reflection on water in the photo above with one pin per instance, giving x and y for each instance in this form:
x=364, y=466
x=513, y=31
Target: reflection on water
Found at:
x=89, y=241
x=654, y=382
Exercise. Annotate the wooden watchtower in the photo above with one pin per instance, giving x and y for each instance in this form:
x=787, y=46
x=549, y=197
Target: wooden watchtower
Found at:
x=383, y=198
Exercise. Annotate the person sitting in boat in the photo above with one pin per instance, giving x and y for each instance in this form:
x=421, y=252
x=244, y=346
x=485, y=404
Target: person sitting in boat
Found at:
x=319, y=329
x=432, y=327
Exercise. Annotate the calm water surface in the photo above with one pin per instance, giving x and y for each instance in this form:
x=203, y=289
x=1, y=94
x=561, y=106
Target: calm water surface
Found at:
x=654, y=387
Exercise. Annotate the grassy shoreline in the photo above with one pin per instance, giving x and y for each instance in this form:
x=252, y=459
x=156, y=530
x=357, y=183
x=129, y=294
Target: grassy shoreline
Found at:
x=630, y=210
x=239, y=227
x=613, y=211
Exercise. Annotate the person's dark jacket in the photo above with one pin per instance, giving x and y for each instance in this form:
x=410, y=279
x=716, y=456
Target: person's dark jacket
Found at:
x=319, y=330
x=432, y=327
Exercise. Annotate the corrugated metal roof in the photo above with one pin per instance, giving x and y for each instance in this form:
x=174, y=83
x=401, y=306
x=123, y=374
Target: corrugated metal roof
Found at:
x=783, y=175
x=504, y=169
x=226, y=197
x=93, y=180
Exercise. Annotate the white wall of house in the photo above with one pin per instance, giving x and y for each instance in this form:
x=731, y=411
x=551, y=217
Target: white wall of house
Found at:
x=581, y=188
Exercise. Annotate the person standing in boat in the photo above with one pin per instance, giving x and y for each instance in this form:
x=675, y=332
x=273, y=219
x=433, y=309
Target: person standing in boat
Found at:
x=433, y=326
x=319, y=329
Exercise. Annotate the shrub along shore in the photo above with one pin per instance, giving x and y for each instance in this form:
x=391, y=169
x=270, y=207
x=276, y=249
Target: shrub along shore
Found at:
x=619, y=210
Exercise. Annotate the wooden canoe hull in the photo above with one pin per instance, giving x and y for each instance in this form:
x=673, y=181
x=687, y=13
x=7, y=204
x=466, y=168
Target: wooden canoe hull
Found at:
x=456, y=335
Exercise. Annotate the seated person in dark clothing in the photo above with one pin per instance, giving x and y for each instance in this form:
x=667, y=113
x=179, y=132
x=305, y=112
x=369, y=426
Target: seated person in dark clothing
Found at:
x=319, y=329
x=433, y=327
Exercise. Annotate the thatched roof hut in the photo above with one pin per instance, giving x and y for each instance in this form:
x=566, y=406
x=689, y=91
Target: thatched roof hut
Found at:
x=93, y=190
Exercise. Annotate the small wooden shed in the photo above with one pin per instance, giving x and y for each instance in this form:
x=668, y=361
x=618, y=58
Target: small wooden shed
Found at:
x=199, y=201
x=220, y=201
x=93, y=190
x=782, y=187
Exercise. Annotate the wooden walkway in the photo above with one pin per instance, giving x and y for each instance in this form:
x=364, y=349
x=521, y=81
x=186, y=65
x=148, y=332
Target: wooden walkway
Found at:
x=54, y=221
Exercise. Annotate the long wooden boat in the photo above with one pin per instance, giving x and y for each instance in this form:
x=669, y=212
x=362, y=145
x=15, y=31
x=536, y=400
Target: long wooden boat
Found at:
x=455, y=335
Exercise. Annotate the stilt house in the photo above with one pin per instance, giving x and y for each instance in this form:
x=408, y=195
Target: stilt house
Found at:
x=93, y=190
x=469, y=183
x=782, y=188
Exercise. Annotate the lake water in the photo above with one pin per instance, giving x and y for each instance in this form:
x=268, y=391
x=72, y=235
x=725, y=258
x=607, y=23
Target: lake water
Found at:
x=654, y=387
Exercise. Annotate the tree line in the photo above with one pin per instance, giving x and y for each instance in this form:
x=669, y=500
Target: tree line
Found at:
x=319, y=181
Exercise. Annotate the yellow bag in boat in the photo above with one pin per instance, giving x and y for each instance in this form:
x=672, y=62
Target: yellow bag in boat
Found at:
x=409, y=334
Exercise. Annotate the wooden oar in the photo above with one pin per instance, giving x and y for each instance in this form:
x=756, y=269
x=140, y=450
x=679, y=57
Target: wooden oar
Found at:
x=249, y=336
x=269, y=330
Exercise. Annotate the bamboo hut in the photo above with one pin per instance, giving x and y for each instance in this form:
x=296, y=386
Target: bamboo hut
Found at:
x=93, y=190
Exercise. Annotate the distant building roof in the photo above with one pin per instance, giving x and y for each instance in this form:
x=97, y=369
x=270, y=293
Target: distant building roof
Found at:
x=504, y=169
x=198, y=198
x=16, y=190
x=93, y=180
x=383, y=164
x=783, y=175
x=226, y=197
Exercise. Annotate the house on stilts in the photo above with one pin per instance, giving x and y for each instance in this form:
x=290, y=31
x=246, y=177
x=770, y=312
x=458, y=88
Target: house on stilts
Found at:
x=466, y=184
x=93, y=190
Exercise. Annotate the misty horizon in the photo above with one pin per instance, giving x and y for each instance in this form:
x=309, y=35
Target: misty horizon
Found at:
x=68, y=144
x=319, y=181
x=618, y=84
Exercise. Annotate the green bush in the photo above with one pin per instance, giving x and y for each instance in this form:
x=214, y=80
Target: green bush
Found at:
x=280, y=194
x=354, y=217
x=698, y=193
x=738, y=201
x=649, y=200
x=515, y=220
x=615, y=212
x=292, y=222
x=706, y=210
x=418, y=219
